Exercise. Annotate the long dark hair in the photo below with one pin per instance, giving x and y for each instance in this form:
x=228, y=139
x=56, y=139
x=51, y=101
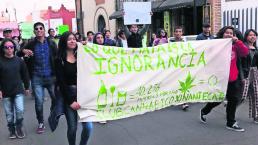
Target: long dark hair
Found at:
x=79, y=35
x=159, y=35
x=95, y=38
x=62, y=46
x=223, y=30
x=105, y=32
x=247, y=33
x=239, y=35
x=120, y=33
x=3, y=43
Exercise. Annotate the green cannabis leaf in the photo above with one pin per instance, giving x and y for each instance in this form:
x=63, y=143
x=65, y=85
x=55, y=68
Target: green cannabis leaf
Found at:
x=187, y=85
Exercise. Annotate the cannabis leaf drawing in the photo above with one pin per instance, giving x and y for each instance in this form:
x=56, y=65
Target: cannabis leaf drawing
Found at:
x=187, y=85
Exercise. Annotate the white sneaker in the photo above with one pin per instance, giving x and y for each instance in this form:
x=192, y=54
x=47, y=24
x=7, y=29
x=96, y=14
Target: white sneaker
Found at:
x=41, y=128
x=103, y=122
x=235, y=127
x=185, y=107
x=202, y=117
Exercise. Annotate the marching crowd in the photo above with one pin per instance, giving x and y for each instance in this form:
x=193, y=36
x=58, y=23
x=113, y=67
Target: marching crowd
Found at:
x=41, y=64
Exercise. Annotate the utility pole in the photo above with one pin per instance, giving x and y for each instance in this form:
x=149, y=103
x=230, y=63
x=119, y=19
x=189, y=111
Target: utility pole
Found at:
x=79, y=16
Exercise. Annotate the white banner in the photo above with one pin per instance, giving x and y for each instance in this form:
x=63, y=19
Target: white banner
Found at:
x=115, y=83
x=137, y=13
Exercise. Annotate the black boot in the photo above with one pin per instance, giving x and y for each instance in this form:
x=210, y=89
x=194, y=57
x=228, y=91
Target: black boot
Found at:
x=12, y=131
x=19, y=129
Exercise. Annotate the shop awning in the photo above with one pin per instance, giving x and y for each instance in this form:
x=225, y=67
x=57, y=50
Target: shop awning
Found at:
x=116, y=14
x=174, y=4
x=155, y=5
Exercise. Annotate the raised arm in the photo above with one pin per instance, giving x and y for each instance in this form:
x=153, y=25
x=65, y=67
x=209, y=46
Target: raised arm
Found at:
x=127, y=32
x=144, y=29
x=242, y=49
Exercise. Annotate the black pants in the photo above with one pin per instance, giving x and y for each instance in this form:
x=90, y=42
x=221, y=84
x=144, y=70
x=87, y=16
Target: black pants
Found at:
x=72, y=121
x=233, y=93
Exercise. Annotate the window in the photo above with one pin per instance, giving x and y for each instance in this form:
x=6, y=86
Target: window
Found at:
x=101, y=24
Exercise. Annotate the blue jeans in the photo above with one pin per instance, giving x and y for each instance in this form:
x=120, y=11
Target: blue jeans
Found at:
x=72, y=121
x=38, y=85
x=14, y=110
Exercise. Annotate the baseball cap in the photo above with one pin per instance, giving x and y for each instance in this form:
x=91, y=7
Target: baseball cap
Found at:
x=7, y=30
x=206, y=25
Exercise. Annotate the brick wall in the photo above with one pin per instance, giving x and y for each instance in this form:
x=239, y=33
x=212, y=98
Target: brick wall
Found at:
x=216, y=15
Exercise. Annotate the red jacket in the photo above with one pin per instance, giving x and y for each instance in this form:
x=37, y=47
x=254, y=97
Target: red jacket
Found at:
x=239, y=49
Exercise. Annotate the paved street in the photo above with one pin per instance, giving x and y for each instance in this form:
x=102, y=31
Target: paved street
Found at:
x=170, y=126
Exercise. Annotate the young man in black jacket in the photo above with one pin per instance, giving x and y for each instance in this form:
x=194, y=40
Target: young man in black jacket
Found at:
x=206, y=33
x=39, y=55
x=135, y=36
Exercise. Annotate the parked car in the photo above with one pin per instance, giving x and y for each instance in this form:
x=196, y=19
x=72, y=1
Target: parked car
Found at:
x=186, y=38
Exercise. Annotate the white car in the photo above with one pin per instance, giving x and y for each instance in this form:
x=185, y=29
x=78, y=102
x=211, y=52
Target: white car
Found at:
x=186, y=38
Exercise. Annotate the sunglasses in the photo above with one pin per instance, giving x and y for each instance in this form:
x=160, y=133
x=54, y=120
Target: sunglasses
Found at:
x=38, y=28
x=8, y=47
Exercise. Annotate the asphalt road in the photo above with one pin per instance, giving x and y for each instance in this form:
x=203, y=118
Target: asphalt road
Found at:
x=170, y=126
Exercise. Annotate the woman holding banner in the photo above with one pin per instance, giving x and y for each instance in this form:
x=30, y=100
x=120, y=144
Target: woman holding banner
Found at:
x=250, y=73
x=232, y=95
x=66, y=74
x=121, y=39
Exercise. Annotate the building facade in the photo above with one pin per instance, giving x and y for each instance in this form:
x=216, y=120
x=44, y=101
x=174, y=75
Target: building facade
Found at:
x=7, y=22
x=4, y=16
x=63, y=16
x=190, y=14
x=215, y=15
x=94, y=15
x=242, y=14
x=52, y=18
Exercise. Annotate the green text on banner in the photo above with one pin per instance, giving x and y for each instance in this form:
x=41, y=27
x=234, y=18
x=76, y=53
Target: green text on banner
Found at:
x=115, y=83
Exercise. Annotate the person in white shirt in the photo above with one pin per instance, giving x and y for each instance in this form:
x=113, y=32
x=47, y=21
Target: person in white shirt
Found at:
x=121, y=39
